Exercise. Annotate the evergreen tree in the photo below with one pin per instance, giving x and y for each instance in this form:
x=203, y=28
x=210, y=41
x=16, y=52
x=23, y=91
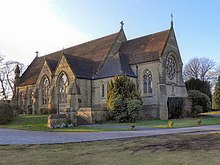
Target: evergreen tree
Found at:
x=123, y=100
x=216, y=96
x=197, y=84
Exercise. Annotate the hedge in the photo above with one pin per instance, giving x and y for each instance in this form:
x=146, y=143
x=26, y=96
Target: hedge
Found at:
x=6, y=113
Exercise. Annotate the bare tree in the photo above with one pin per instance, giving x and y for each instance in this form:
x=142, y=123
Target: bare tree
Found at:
x=7, y=76
x=199, y=68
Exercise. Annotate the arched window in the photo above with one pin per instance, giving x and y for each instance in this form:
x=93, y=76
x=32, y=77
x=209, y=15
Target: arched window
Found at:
x=171, y=67
x=103, y=91
x=21, y=97
x=45, y=90
x=147, y=82
x=31, y=97
x=63, y=84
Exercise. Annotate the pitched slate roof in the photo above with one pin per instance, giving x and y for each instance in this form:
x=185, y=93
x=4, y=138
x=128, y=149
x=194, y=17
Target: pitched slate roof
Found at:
x=95, y=50
x=115, y=65
x=146, y=48
x=52, y=64
x=81, y=67
x=90, y=60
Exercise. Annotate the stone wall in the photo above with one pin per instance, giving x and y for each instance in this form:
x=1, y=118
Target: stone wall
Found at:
x=57, y=121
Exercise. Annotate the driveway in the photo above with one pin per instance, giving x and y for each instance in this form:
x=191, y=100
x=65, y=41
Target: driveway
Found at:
x=11, y=136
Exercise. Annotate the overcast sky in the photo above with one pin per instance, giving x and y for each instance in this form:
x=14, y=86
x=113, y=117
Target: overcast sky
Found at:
x=28, y=26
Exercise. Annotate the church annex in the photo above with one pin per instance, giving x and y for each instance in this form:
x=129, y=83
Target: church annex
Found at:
x=74, y=80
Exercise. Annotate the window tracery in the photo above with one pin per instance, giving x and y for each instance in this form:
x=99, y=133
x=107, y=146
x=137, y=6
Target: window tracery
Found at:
x=45, y=90
x=63, y=84
x=147, y=82
x=171, y=67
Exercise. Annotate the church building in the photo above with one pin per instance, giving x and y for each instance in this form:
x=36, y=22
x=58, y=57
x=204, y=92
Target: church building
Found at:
x=74, y=80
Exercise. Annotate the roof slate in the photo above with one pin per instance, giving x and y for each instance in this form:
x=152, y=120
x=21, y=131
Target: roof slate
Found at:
x=52, y=64
x=115, y=65
x=95, y=50
x=81, y=67
x=90, y=60
x=146, y=48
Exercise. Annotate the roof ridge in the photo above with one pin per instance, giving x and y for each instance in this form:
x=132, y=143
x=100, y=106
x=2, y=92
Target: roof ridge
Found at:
x=47, y=59
x=84, y=43
x=148, y=35
x=107, y=57
x=120, y=61
x=82, y=58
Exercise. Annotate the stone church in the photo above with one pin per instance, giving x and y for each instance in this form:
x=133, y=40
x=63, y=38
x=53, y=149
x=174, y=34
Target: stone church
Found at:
x=74, y=80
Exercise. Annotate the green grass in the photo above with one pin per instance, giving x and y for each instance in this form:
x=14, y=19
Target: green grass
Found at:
x=212, y=113
x=39, y=123
x=178, y=123
x=169, y=149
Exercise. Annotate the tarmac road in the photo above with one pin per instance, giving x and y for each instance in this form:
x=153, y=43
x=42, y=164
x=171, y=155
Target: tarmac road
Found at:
x=12, y=136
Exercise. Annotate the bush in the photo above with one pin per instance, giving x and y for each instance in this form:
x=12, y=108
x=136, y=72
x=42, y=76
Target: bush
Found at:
x=6, y=113
x=216, y=96
x=197, y=84
x=53, y=111
x=128, y=109
x=44, y=111
x=123, y=100
x=170, y=124
x=175, y=107
x=30, y=110
x=200, y=99
x=199, y=122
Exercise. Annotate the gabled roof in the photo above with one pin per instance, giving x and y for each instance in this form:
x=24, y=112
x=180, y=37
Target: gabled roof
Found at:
x=52, y=64
x=81, y=67
x=91, y=60
x=115, y=65
x=95, y=50
x=29, y=77
x=146, y=48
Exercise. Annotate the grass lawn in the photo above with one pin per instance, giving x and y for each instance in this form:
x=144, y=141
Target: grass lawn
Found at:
x=212, y=113
x=39, y=123
x=169, y=149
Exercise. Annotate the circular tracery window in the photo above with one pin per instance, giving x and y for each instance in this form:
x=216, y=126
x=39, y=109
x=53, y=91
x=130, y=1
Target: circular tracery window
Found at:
x=171, y=67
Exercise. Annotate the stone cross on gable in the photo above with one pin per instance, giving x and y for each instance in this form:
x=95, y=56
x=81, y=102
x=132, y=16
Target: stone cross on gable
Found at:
x=122, y=24
x=37, y=53
x=171, y=22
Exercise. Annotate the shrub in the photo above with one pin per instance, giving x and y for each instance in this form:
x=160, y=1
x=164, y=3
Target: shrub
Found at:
x=44, y=111
x=200, y=99
x=170, y=124
x=123, y=100
x=199, y=122
x=53, y=111
x=6, y=113
x=16, y=111
x=175, y=107
x=196, y=110
x=128, y=109
x=30, y=110
x=197, y=84
x=216, y=96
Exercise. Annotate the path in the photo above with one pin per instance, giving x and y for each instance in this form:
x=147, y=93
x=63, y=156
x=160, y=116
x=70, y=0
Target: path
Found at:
x=11, y=136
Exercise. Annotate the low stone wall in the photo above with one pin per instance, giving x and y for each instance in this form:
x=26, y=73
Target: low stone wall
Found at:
x=85, y=113
x=58, y=121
